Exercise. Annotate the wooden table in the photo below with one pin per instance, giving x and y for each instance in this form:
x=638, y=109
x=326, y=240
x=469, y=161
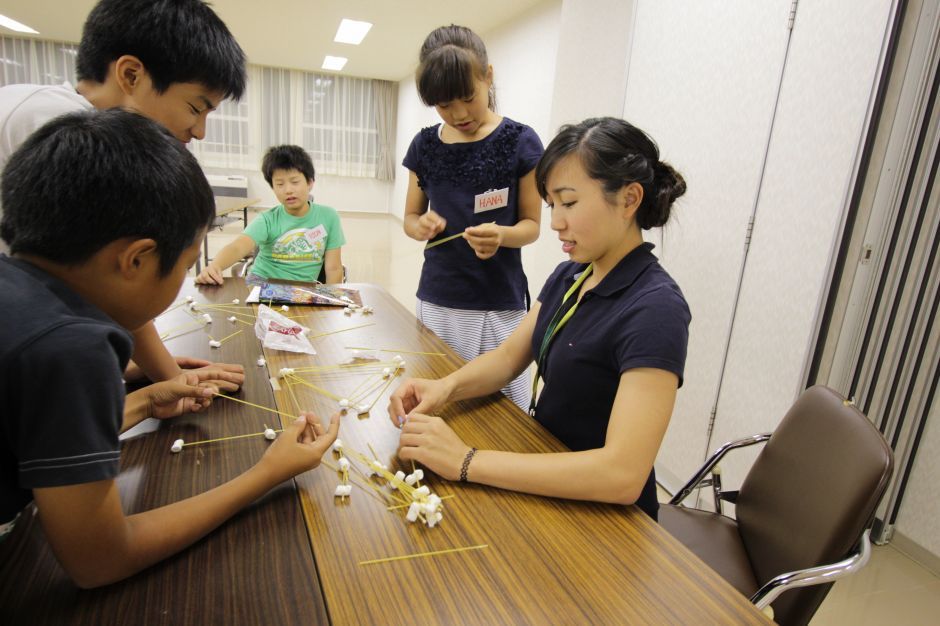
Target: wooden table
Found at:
x=294, y=558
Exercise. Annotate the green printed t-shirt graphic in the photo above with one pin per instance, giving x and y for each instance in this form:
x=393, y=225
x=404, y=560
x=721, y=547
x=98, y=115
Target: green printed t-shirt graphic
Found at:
x=292, y=248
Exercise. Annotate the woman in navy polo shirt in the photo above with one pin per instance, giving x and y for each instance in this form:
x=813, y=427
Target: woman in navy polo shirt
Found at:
x=608, y=335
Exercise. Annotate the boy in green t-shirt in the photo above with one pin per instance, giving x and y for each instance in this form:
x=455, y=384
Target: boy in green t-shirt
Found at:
x=295, y=239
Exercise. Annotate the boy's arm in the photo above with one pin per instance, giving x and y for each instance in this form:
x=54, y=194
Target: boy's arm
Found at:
x=333, y=264
x=152, y=356
x=238, y=249
x=97, y=544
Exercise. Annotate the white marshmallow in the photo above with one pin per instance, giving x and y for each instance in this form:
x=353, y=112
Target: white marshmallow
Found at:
x=344, y=463
x=434, y=519
x=284, y=307
x=343, y=490
x=422, y=491
x=410, y=479
x=348, y=311
x=207, y=318
x=338, y=445
x=233, y=319
x=413, y=511
x=189, y=298
x=419, y=475
x=367, y=310
x=261, y=362
x=177, y=446
x=428, y=508
x=386, y=372
x=215, y=344
x=269, y=434
x=193, y=307
x=285, y=371
x=343, y=403
x=397, y=357
x=236, y=301
x=400, y=475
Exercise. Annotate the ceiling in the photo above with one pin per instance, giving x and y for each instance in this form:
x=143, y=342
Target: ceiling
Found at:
x=299, y=33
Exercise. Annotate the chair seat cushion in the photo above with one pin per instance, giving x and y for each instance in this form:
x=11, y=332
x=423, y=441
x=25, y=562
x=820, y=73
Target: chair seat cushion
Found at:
x=714, y=539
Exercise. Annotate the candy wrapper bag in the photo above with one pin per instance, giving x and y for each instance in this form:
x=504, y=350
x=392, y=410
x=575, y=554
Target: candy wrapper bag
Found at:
x=281, y=333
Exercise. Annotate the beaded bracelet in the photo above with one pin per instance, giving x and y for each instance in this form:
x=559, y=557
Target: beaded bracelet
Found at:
x=466, y=464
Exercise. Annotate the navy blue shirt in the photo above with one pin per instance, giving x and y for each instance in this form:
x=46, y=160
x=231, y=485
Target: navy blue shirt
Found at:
x=451, y=175
x=61, y=392
x=636, y=317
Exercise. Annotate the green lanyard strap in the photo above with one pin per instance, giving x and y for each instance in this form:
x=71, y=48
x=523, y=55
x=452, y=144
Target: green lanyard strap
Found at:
x=553, y=327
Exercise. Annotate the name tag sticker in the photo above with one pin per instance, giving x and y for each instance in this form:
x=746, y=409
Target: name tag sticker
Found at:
x=490, y=200
x=316, y=234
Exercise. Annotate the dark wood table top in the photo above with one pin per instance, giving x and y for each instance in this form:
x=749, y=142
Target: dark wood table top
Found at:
x=294, y=557
x=236, y=575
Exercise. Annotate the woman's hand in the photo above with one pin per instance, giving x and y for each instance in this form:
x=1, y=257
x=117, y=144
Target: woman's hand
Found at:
x=417, y=395
x=427, y=440
x=485, y=239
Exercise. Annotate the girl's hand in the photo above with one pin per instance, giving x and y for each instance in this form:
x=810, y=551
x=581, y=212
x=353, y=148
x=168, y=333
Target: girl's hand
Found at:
x=429, y=225
x=300, y=447
x=427, y=440
x=485, y=239
x=417, y=395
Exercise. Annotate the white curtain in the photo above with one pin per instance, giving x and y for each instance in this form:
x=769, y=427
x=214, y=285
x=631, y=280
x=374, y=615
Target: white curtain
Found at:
x=346, y=124
x=36, y=61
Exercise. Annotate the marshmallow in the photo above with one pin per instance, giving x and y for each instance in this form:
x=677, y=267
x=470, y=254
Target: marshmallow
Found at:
x=433, y=519
x=342, y=491
x=397, y=357
x=413, y=511
x=177, y=446
x=261, y=362
x=386, y=372
x=400, y=475
x=207, y=318
x=344, y=463
x=193, y=307
x=343, y=403
x=285, y=371
x=338, y=445
x=189, y=298
x=401, y=365
x=284, y=307
x=422, y=491
x=215, y=344
x=236, y=301
x=269, y=434
x=348, y=311
x=410, y=479
x=428, y=508
x=233, y=319
x=367, y=310
x=419, y=475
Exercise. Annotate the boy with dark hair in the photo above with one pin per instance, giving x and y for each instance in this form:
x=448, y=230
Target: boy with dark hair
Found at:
x=109, y=254
x=173, y=61
x=295, y=239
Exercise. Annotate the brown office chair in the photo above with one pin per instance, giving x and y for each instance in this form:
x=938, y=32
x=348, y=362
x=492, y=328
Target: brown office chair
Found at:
x=805, y=504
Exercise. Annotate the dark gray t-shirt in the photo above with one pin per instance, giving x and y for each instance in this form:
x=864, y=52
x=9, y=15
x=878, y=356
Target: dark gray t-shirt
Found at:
x=61, y=391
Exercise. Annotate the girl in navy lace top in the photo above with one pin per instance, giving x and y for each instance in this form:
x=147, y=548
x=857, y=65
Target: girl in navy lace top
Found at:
x=472, y=175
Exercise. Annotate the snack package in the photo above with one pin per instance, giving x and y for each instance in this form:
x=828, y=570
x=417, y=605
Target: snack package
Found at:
x=281, y=333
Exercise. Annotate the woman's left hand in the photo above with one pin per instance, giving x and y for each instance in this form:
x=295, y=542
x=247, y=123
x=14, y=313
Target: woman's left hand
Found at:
x=427, y=440
x=485, y=239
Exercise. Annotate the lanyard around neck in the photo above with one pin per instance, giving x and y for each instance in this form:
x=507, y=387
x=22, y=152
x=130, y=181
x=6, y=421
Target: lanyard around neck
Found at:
x=554, y=326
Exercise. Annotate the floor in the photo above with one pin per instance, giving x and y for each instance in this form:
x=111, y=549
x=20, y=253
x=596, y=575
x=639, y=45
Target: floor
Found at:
x=892, y=589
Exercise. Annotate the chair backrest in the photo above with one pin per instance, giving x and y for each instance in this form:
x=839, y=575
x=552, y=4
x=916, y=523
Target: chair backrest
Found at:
x=811, y=493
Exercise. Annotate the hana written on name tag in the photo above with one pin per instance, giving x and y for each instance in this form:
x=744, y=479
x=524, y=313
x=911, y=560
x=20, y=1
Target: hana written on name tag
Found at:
x=490, y=200
x=316, y=234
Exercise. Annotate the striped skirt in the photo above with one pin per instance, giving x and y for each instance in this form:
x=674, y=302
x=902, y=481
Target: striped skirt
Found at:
x=472, y=333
